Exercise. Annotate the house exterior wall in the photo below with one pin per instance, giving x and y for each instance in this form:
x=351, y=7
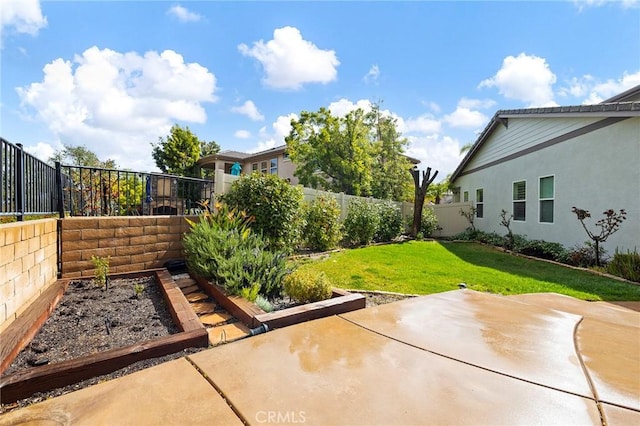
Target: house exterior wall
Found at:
x=28, y=264
x=595, y=171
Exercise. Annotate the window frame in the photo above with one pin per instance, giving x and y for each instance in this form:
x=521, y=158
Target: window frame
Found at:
x=273, y=169
x=479, y=211
x=254, y=167
x=541, y=200
x=465, y=196
x=516, y=200
x=264, y=166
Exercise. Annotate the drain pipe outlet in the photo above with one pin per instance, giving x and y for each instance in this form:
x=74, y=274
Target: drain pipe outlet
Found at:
x=259, y=330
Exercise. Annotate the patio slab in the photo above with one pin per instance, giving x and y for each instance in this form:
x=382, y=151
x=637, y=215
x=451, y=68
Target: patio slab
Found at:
x=331, y=371
x=170, y=393
x=528, y=342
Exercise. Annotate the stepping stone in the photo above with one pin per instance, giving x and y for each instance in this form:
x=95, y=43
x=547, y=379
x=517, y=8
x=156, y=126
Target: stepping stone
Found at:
x=185, y=282
x=201, y=308
x=215, y=318
x=227, y=333
x=197, y=297
x=189, y=290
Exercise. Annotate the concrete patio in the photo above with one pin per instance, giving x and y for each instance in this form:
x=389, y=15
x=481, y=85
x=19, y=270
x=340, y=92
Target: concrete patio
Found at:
x=459, y=357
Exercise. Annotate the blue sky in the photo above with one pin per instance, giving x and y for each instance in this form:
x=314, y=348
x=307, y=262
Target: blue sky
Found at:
x=114, y=76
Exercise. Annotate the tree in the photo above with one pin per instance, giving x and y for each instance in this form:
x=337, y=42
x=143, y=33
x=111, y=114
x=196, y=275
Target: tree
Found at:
x=178, y=153
x=391, y=179
x=332, y=153
x=80, y=156
x=420, y=193
x=608, y=225
x=359, y=154
x=437, y=190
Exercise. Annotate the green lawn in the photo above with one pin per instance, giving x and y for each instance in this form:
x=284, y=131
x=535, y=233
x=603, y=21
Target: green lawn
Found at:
x=431, y=267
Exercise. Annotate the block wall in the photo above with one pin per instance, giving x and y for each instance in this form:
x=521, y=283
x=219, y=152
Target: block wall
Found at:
x=28, y=264
x=133, y=243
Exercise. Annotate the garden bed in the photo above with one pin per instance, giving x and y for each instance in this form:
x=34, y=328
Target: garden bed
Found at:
x=176, y=316
x=254, y=317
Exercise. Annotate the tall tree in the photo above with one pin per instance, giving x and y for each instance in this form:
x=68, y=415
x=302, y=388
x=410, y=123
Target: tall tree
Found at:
x=391, y=177
x=178, y=153
x=332, y=153
x=80, y=156
x=420, y=193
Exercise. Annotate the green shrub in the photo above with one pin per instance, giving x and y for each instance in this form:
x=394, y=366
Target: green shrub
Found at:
x=625, y=265
x=429, y=223
x=101, y=264
x=322, y=229
x=305, y=286
x=584, y=256
x=391, y=223
x=275, y=206
x=221, y=247
x=545, y=250
x=361, y=223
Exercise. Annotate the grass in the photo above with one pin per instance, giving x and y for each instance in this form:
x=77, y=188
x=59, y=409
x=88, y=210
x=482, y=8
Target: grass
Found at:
x=432, y=267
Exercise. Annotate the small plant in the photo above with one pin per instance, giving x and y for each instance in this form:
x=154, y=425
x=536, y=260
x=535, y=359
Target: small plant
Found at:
x=505, y=220
x=420, y=236
x=101, y=265
x=470, y=215
x=390, y=223
x=264, y=304
x=138, y=289
x=608, y=225
x=250, y=293
x=625, y=265
x=305, y=287
x=429, y=222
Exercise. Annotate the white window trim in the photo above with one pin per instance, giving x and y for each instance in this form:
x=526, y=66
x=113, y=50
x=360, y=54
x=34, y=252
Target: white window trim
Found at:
x=547, y=199
x=481, y=202
x=513, y=201
x=465, y=196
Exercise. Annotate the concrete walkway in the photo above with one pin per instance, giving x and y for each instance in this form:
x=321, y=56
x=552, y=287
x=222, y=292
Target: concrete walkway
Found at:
x=460, y=357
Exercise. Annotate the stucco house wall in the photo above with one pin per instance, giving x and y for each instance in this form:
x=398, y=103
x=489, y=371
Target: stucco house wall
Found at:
x=594, y=160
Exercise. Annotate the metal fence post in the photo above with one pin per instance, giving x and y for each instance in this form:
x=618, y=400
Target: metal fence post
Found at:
x=20, y=189
x=59, y=191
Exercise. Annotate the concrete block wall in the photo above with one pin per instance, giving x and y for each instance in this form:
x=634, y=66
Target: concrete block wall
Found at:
x=28, y=264
x=133, y=243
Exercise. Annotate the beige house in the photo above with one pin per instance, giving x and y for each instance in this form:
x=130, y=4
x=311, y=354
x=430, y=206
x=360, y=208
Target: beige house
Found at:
x=274, y=161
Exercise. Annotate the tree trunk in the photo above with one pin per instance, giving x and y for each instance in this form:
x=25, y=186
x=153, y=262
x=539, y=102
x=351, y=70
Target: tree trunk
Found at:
x=420, y=194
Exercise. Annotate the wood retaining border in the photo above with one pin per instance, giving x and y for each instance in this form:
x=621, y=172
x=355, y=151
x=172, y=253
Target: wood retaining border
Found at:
x=40, y=379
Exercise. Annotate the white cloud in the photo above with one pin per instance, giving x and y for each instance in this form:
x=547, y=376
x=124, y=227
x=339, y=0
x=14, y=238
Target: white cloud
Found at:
x=43, y=150
x=280, y=129
x=250, y=110
x=117, y=103
x=425, y=124
x=182, y=14
x=524, y=78
x=344, y=106
x=597, y=92
x=23, y=16
x=467, y=114
x=242, y=134
x=372, y=75
x=439, y=153
x=625, y=4
x=289, y=61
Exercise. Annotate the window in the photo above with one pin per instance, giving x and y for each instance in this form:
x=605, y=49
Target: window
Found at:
x=480, y=203
x=274, y=166
x=465, y=196
x=285, y=156
x=263, y=167
x=519, y=200
x=254, y=167
x=546, y=199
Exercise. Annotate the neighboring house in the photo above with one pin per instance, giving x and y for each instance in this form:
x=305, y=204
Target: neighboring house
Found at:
x=274, y=161
x=538, y=163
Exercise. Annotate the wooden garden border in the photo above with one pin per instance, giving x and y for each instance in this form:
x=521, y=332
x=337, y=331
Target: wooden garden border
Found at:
x=24, y=383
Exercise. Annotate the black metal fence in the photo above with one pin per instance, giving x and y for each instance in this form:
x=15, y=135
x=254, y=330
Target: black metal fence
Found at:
x=32, y=187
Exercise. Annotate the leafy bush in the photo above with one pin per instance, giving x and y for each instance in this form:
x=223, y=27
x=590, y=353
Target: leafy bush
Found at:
x=625, y=265
x=322, y=229
x=429, y=222
x=221, y=247
x=275, y=206
x=101, y=264
x=361, y=223
x=584, y=256
x=306, y=286
x=390, y=223
x=545, y=250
